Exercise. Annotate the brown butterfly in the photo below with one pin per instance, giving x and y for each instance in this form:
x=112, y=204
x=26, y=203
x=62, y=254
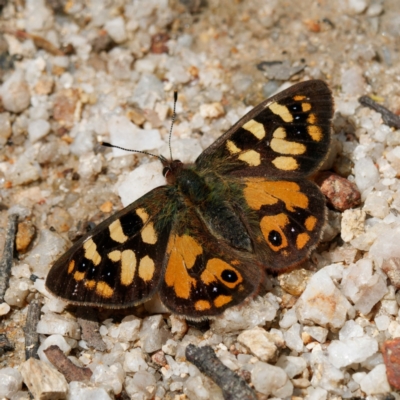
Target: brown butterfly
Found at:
x=205, y=239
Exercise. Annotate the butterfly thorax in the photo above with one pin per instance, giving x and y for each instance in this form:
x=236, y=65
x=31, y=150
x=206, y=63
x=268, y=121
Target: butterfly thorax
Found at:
x=198, y=192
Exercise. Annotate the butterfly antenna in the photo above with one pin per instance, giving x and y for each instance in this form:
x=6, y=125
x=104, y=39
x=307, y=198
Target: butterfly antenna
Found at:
x=172, y=123
x=106, y=144
x=161, y=158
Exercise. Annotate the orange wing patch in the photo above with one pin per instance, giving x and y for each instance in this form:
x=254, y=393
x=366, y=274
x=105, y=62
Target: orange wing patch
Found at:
x=183, y=251
x=310, y=223
x=79, y=276
x=221, y=300
x=202, y=305
x=71, y=266
x=259, y=192
x=221, y=270
x=104, y=290
x=302, y=239
x=272, y=229
x=315, y=132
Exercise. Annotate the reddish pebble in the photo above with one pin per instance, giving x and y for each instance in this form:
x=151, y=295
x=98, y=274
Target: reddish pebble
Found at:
x=159, y=358
x=340, y=192
x=391, y=357
x=158, y=43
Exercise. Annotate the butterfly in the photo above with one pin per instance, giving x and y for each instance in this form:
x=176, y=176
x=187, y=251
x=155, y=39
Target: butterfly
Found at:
x=206, y=239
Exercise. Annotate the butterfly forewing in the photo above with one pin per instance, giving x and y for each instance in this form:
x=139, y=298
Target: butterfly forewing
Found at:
x=119, y=263
x=287, y=136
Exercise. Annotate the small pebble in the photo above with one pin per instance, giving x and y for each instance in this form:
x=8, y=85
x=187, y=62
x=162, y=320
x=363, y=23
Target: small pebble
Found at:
x=375, y=382
x=38, y=129
x=81, y=390
x=259, y=343
x=5, y=128
x=25, y=234
x=43, y=380
x=116, y=29
x=15, y=93
x=4, y=308
x=322, y=302
x=295, y=282
x=213, y=110
x=271, y=380
x=10, y=382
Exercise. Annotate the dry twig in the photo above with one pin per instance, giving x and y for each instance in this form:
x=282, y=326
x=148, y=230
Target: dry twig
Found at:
x=233, y=386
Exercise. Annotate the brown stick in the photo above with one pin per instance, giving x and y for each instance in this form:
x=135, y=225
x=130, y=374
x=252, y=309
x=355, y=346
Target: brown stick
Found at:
x=31, y=335
x=66, y=366
x=7, y=259
x=233, y=386
x=388, y=117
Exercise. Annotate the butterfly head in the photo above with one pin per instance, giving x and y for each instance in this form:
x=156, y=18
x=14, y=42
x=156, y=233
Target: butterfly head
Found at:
x=171, y=169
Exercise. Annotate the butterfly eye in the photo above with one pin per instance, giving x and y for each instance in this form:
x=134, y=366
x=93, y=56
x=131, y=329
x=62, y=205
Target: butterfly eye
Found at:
x=166, y=171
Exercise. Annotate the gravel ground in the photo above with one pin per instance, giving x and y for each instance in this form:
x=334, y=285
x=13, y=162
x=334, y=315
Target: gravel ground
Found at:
x=76, y=73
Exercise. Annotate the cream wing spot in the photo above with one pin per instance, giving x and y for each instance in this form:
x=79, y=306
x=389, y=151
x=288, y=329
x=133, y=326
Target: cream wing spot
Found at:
x=232, y=148
x=91, y=252
x=279, y=133
x=251, y=157
x=128, y=267
x=285, y=163
x=116, y=232
x=146, y=268
x=281, y=111
x=255, y=128
x=149, y=234
x=114, y=255
x=285, y=147
x=142, y=214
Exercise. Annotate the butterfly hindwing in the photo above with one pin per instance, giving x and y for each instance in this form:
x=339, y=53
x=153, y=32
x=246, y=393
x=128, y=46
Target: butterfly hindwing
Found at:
x=290, y=217
x=117, y=264
x=286, y=136
x=203, y=277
